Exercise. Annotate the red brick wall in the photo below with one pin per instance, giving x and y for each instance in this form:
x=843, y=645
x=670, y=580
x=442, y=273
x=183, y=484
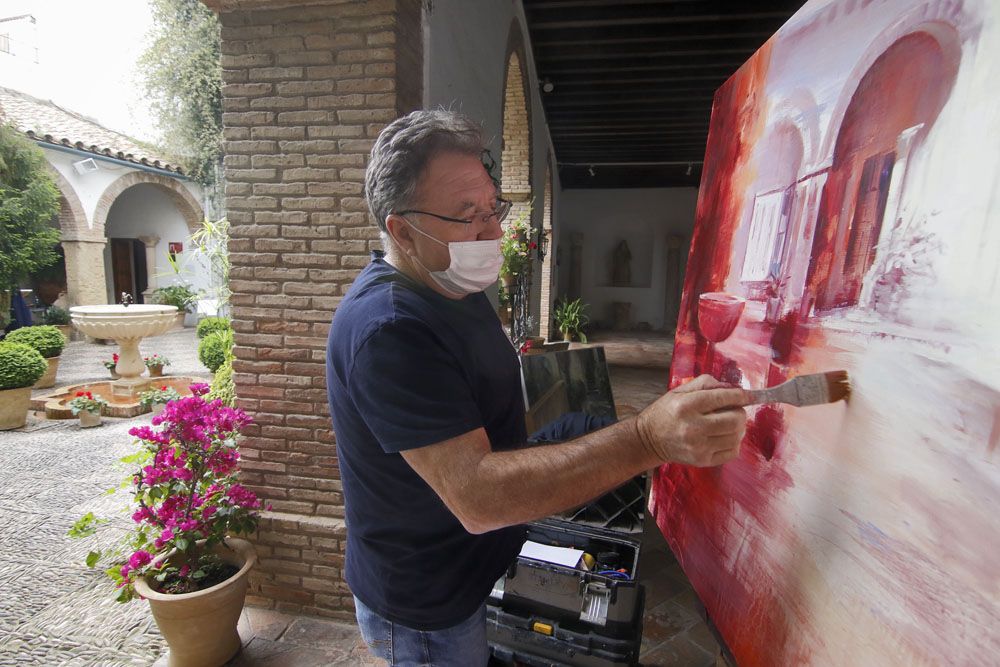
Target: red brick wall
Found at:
x=306, y=91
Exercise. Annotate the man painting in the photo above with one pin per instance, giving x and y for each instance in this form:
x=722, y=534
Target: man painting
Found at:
x=425, y=397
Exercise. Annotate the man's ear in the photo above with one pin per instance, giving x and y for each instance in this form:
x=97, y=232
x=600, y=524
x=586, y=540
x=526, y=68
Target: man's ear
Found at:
x=400, y=232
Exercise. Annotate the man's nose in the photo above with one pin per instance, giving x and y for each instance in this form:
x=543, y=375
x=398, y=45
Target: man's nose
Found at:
x=491, y=231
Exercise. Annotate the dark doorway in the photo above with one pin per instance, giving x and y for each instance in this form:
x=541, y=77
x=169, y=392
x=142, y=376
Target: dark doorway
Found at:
x=128, y=268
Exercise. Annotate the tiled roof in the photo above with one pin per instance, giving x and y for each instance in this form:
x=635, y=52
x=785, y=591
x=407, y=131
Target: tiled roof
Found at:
x=46, y=121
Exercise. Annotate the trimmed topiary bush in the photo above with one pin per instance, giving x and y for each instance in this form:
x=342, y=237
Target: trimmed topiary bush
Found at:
x=20, y=365
x=214, y=348
x=210, y=324
x=223, y=386
x=56, y=316
x=45, y=338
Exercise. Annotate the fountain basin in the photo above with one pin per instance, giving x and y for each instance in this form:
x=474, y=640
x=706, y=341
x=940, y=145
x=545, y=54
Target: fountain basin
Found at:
x=55, y=404
x=117, y=321
x=127, y=325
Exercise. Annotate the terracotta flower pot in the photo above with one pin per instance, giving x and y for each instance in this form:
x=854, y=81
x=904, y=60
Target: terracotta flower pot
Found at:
x=48, y=379
x=114, y=373
x=155, y=371
x=14, y=407
x=179, y=319
x=200, y=627
x=89, y=419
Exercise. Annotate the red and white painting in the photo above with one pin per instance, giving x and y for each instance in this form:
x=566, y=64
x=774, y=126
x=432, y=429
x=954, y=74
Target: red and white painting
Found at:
x=849, y=218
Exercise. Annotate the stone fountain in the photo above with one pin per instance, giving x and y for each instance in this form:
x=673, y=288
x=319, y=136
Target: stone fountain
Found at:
x=126, y=324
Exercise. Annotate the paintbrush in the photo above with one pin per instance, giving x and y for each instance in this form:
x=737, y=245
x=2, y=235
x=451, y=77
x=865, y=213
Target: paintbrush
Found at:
x=815, y=389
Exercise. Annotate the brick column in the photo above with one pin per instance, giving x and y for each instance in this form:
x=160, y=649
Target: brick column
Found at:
x=307, y=88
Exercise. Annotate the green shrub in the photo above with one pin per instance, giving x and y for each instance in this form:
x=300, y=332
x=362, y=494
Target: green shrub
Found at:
x=181, y=296
x=56, y=316
x=20, y=365
x=210, y=324
x=223, y=386
x=45, y=338
x=213, y=348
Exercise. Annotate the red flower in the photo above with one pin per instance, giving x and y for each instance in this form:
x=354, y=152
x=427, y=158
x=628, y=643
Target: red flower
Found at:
x=163, y=388
x=532, y=245
x=114, y=357
x=79, y=393
x=89, y=395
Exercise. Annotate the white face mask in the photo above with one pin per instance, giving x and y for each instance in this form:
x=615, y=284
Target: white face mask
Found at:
x=474, y=265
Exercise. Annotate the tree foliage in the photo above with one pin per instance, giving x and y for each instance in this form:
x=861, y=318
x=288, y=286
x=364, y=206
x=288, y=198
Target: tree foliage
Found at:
x=183, y=78
x=28, y=201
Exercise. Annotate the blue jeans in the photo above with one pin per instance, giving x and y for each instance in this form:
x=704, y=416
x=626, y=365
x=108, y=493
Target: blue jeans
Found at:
x=462, y=645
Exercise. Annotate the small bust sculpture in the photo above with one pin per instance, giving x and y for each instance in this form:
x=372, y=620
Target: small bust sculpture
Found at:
x=621, y=265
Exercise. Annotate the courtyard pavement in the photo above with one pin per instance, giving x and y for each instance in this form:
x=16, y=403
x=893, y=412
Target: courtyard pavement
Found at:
x=56, y=611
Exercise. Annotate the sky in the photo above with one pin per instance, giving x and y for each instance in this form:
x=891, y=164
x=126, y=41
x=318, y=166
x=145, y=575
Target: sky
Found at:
x=87, y=52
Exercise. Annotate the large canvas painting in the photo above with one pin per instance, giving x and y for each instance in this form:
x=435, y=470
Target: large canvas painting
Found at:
x=849, y=218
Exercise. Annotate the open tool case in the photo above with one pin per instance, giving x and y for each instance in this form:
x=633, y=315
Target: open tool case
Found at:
x=543, y=614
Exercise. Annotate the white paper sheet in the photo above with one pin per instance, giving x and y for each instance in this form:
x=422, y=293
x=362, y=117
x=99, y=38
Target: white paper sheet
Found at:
x=559, y=555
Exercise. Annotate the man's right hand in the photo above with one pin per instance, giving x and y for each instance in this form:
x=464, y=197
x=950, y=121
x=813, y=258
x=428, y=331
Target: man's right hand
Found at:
x=700, y=423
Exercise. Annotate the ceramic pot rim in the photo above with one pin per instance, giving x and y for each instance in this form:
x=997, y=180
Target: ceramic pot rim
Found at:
x=241, y=546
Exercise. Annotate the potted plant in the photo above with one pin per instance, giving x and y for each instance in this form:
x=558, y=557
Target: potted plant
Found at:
x=88, y=408
x=180, y=295
x=20, y=367
x=112, y=366
x=156, y=399
x=155, y=364
x=571, y=318
x=49, y=342
x=60, y=319
x=515, y=247
x=181, y=555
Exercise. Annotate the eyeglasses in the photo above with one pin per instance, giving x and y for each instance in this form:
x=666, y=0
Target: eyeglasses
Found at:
x=499, y=212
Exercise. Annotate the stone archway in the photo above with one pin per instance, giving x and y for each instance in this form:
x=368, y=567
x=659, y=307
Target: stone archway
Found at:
x=185, y=202
x=86, y=254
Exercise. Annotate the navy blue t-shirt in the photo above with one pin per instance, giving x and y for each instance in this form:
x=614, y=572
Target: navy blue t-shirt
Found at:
x=407, y=367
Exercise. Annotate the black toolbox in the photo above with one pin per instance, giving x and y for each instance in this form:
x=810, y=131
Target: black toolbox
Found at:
x=543, y=614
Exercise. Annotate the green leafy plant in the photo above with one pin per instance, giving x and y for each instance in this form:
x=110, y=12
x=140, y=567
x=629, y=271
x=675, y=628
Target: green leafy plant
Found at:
x=20, y=365
x=56, y=316
x=209, y=324
x=571, y=317
x=86, y=401
x=155, y=360
x=158, y=396
x=223, y=385
x=211, y=241
x=112, y=363
x=28, y=201
x=181, y=296
x=187, y=499
x=214, y=347
x=45, y=338
x=516, y=245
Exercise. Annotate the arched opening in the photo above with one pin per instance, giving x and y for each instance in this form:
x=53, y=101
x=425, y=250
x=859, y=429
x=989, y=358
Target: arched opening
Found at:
x=764, y=272
x=897, y=101
x=515, y=183
x=148, y=224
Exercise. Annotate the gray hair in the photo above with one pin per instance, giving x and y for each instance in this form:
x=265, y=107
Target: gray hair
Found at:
x=404, y=148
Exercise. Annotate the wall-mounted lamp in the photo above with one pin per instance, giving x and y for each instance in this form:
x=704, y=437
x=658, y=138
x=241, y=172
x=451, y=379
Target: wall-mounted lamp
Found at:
x=85, y=166
x=542, y=242
x=547, y=85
